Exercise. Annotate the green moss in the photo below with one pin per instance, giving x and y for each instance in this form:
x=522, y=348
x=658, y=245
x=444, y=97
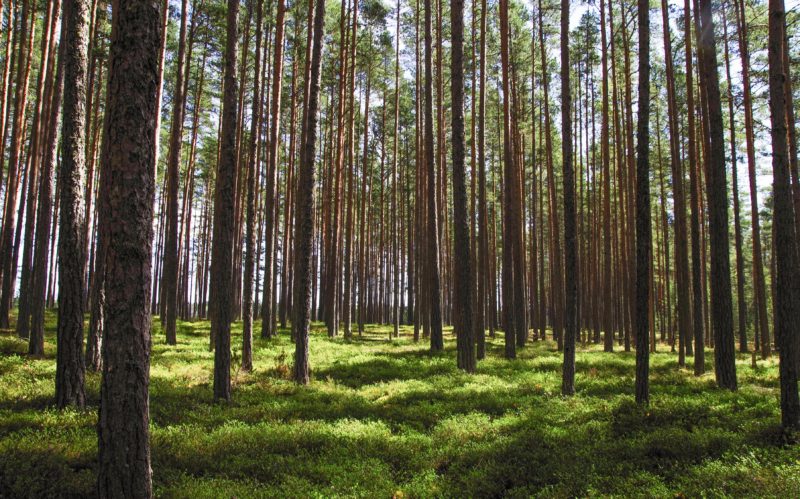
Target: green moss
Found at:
x=387, y=418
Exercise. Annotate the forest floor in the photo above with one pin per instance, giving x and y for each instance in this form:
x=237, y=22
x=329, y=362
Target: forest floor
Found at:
x=387, y=418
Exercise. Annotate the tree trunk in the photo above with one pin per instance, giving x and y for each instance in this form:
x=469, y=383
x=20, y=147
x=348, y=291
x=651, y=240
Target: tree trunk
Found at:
x=787, y=289
x=44, y=214
x=463, y=268
x=268, y=297
x=222, y=245
x=717, y=192
x=304, y=205
x=252, y=173
x=71, y=251
x=432, y=271
x=761, y=319
x=570, y=216
x=129, y=154
x=15, y=162
x=169, y=276
x=643, y=222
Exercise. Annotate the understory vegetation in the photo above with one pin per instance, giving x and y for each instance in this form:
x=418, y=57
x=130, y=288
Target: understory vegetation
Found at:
x=386, y=418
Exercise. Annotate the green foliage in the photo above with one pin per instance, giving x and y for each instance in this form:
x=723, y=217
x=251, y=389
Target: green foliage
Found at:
x=387, y=418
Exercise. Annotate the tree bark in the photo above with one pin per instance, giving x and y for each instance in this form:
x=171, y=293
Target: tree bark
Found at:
x=717, y=192
x=169, y=276
x=433, y=275
x=222, y=246
x=304, y=206
x=570, y=217
x=71, y=251
x=268, y=298
x=643, y=218
x=463, y=259
x=787, y=289
x=129, y=155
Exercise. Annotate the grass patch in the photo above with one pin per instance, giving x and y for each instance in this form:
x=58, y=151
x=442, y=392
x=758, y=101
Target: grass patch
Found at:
x=386, y=418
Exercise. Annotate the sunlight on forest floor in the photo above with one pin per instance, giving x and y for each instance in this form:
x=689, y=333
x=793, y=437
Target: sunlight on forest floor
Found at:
x=384, y=418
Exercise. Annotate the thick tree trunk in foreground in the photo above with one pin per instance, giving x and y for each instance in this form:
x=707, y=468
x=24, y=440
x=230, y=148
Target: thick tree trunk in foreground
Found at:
x=222, y=243
x=787, y=290
x=71, y=251
x=129, y=154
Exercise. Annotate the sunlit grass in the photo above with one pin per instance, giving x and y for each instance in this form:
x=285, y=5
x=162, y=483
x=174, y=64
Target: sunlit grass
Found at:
x=386, y=417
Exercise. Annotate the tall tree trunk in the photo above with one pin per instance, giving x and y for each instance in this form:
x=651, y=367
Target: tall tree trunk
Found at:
x=169, y=276
x=15, y=162
x=71, y=251
x=509, y=315
x=483, y=263
x=433, y=276
x=608, y=317
x=679, y=200
x=222, y=246
x=570, y=217
x=463, y=268
x=787, y=289
x=44, y=215
x=759, y=287
x=737, y=225
x=44, y=86
x=252, y=173
x=395, y=316
x=268, y=297
x=129, y=156
x=643, y=222
x=717, y=192
x=695, y=200
x=304, y=205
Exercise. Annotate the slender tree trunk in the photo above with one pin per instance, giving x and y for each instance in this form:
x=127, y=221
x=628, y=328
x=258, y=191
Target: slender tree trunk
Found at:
x=44, y=86
x=463, y=269
x=395, y=316
x=15, y=162
x=570, y=217
x=643, y=222
x=304, y=205
x=509, y=316
x=268, y=298
x=432, y=271
x=42, y=252
x=169, y=276
x=483, y=223
x=222, y=246
x=252, y=173
x=737, y=225
x=762, y=323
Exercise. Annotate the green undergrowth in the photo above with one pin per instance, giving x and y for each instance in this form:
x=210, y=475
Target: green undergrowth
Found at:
x=386, y=418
